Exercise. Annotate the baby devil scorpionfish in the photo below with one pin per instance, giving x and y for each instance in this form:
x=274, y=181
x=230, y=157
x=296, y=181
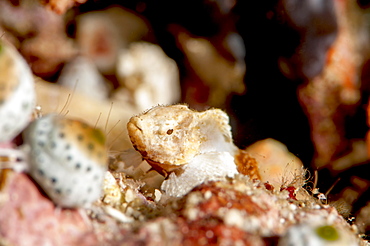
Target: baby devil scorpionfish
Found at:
x=193, y=147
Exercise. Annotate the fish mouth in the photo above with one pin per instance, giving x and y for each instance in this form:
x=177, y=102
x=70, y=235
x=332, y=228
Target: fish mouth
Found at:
x=134, y=127
x=136, y=134
x=135, y=122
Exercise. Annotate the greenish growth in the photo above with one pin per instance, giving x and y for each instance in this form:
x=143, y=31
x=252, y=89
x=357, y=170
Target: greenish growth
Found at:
x=98, y=136
x=328, y=233
x=1, y=47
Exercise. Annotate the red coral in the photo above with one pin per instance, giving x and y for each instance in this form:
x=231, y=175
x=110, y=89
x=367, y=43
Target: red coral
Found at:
x=226, y=198
x=211, y=231
x=291, y=190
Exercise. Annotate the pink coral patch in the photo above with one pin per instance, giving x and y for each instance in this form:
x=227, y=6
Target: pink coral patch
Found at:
x=29, y=218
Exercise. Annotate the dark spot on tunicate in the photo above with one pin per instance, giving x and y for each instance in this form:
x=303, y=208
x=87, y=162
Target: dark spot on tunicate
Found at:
x=40, y=132
x=53, y=180
x=84, y=125
x=78, y=166
x=41, y=144
x=88, y=169
x=90, y=146
x=40, y=172
x=89, y=190
x=96, y=177
x=61, y=135
x=68, y=146
x=84, y=201
x=53, y=144
x=170, y=131
x=68, y=191
x=58, y=191
x=80, y=137
x=69, y=158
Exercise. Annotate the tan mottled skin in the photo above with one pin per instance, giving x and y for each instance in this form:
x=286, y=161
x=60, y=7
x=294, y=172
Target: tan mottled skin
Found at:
x=174, y=135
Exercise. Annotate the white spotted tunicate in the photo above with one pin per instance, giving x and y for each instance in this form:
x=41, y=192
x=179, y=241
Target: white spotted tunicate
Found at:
x=17, y=94
x=68, y=159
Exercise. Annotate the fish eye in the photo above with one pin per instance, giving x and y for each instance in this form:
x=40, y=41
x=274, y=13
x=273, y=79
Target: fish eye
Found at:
x=169, y=131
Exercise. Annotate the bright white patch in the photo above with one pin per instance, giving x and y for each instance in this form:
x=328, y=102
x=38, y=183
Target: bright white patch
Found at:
x=204, y=167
